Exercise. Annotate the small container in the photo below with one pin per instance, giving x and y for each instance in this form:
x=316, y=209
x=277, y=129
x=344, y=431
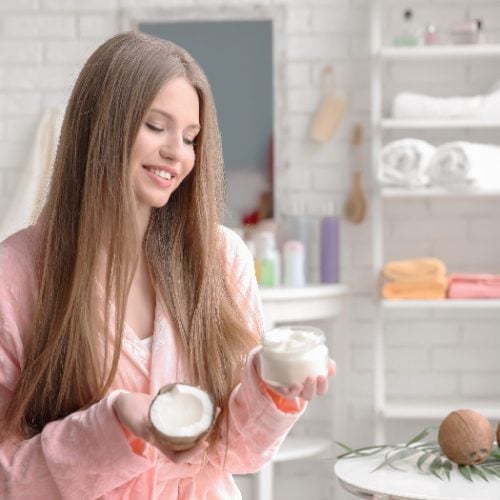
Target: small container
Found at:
x=465, y=32
x=293, y=263
x=267, y=259
x=409, y=36
x=431, y=36
x=290, y=354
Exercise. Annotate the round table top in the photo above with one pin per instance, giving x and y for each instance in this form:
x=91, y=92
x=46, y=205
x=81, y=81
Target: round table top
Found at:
x=355, y=475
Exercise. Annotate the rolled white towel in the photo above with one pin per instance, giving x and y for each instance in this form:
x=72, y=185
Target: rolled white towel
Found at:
x=409, y=105
x=465, y=165
x=404, y=163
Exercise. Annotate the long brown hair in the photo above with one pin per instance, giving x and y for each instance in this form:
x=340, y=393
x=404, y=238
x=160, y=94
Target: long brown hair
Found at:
x=90, y=206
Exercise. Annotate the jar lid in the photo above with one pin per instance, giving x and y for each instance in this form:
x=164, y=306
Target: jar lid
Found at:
x=292, y=339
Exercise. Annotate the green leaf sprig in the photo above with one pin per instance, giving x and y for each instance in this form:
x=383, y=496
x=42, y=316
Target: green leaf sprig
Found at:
x=431, y=459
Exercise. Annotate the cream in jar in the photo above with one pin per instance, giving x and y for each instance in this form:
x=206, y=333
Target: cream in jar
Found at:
x=290, y=354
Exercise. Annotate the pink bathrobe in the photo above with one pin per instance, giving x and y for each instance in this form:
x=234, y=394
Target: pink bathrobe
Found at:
x=87, y=455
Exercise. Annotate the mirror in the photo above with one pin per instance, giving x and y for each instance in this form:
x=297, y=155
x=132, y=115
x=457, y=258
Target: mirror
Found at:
x=237, y=56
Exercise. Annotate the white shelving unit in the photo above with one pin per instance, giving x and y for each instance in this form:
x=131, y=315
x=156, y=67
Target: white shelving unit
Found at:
x=321, y=302
x=386, y=410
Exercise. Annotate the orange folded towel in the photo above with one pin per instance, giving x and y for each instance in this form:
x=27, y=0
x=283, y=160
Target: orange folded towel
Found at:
x=424, y=269
x=416, y=290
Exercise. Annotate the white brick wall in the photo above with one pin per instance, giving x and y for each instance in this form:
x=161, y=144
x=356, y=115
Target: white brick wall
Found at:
x=430, y=355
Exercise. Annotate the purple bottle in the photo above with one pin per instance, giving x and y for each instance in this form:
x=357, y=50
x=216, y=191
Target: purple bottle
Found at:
x=329, y=249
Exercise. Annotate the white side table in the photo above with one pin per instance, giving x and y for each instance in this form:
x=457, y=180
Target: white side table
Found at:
x=356, y=476
x=310, y=303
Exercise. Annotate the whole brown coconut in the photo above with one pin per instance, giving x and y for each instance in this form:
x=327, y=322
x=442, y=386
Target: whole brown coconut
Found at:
x=181, y=415
x=466, y=437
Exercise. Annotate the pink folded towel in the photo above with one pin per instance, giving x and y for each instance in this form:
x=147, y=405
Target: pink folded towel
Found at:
x=474, y=286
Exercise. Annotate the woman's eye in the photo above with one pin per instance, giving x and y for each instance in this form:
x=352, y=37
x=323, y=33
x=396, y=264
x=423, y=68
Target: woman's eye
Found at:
x=189, y=142
x=153, y=127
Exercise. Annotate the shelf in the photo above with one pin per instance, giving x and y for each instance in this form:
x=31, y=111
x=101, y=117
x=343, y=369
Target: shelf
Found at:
x=294, y=448
x=442, y=304
x=440, y=52
x=395, y=124
x=310, y=291
x=435, y=192
x=416, y=411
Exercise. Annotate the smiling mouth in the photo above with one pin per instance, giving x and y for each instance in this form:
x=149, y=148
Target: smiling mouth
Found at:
x=160, y=173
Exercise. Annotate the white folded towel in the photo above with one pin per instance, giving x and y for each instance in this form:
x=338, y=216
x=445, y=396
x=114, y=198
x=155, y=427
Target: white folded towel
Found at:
x=465, y=165
x=404, y=163
x=32, y=185
x=412, y=106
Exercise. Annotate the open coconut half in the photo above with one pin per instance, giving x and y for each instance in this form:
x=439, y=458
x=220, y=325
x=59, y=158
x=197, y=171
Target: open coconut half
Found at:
x=181, y=415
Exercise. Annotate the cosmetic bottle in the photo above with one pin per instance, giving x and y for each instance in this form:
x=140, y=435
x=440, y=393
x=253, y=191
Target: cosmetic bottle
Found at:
x=293, y=263
x=296, y=226
x=409, y=34
x=431, y=35
x=329, y=247
x=267, y=259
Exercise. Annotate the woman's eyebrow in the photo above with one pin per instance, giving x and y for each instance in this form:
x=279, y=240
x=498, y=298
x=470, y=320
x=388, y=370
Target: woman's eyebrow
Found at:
x=194, y=126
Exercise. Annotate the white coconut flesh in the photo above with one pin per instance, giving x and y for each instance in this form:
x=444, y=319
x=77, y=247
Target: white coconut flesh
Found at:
x=183, y=411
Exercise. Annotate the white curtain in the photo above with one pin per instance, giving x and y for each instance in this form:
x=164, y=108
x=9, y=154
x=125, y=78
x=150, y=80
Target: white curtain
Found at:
x=33, y=182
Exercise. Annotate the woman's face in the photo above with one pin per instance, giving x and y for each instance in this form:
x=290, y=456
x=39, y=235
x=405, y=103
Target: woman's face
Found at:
x=163, y=152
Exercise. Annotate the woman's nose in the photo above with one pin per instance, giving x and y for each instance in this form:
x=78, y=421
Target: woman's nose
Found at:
x=172, y=149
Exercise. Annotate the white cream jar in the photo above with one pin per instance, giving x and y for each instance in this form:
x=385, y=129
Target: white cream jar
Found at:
x=290, y=354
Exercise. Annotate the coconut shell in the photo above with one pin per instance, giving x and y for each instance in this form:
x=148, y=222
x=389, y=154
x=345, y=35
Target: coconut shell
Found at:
x=466, y=437
x=179, y=443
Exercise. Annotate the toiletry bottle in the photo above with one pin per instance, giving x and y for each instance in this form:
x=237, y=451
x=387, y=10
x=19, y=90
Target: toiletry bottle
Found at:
x=431, y=36
x=293, y=263
x=267, y=260
x=329, y=248
x=297, y=226
x=409, y=35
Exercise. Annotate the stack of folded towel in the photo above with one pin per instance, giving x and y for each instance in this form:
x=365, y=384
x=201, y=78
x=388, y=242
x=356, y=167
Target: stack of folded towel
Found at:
x=474, y=286
x=415, y=279
x=413, y=106
x=454, y=165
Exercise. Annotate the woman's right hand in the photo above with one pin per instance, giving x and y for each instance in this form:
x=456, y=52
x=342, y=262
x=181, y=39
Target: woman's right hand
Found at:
x=132, y=411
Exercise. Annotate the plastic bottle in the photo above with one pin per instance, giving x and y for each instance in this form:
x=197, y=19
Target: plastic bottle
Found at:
x=431, y=36
x=293, y=263
x=409, y=35
x=267, y=260
x=329, y=248
x=296, y=226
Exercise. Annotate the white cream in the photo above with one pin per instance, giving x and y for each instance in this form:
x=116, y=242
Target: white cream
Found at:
x=291, y=354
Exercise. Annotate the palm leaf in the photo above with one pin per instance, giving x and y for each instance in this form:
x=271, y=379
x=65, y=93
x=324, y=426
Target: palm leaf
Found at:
x=419, y=437
x=465, y=471
x=475, y=470
x=423, y=458
x=395, y=455
x=436, y=466
x=448, y=467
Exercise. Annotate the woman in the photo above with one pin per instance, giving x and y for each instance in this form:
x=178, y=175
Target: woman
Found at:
x=128, y=251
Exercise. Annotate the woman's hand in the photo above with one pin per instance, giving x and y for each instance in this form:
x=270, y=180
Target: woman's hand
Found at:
x=308, y=389
x=132, y=411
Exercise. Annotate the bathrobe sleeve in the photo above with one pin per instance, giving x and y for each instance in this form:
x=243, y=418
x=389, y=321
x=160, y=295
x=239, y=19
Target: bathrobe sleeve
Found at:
x=79, y=457
x=257, y=425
